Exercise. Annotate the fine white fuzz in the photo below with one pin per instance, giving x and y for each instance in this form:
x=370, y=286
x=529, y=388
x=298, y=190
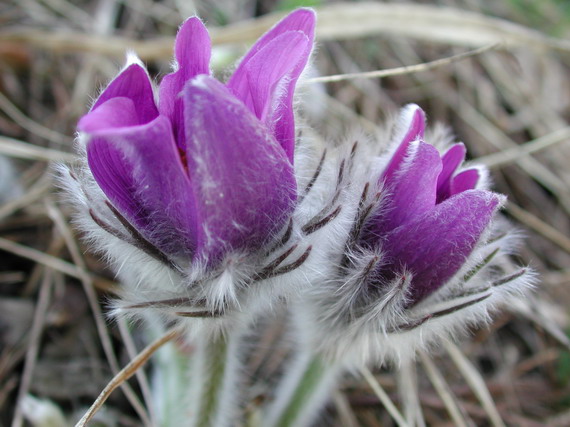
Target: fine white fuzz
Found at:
x=213, y=397
x=351, y=322
x=245, y=284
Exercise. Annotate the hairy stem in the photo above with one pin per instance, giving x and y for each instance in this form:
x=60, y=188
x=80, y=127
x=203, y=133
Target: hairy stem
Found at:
x=169, y=378
x=214, y=380
x=214, y=372
x=304, y=389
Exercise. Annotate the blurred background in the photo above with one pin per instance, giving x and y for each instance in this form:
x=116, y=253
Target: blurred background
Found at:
x=510, y=105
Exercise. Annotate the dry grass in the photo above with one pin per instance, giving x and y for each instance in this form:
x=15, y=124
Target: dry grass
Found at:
x=509, y=105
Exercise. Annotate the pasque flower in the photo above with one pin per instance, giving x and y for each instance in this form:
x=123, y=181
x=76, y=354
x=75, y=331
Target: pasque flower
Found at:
x=423, y=245
x=433, y=215
x=423, y=255
x=207, y=168
x=189, y=188
x=191, y=191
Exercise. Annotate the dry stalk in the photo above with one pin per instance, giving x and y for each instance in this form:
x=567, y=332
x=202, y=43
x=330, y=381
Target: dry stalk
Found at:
x=127, y=372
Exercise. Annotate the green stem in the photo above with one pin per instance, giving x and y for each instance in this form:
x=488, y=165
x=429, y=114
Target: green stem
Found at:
x=309, y=383
x=169, y=378
x=197, y=388
x=215, y=357
x=303, y=391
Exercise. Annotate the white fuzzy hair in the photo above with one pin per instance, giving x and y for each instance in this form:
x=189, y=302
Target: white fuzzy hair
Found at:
x=234, y=293
x=345, y=321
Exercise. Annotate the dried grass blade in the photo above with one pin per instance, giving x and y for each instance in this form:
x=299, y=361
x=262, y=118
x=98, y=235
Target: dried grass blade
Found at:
x=407, y=382
x=98, y=317
x=34, y=344
x=538, y=225
x=476, y=382
x=34, y=192
x=140, y=374
x=443, y=390
x=516, y=153
x=36, y=128
x=42, y=258
x=384, y=398
x=125, y=373
x=336, y=22
x=427, y=23
x=23, y=150
x=407, y=69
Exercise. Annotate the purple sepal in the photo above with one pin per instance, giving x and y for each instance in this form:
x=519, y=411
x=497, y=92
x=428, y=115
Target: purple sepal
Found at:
x=412, y=188
x=451, y=160
x=412, y=125
x=192, y=51
x=140, y=171
x=267, y=75
x=113, y=114
x=132, y=83
x=244, y=188
x=465, y=180
x=256, y=81
x=434, y=246
x=213, y=172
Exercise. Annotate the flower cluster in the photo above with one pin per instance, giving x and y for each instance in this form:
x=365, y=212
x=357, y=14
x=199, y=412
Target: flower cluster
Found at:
x=196, y=192
x=424, y=254
x=193, y=191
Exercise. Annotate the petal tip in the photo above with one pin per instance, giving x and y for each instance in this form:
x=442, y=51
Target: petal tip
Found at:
x=303, y=19
x=192, y=46
x=414, y=119
x=132, y=59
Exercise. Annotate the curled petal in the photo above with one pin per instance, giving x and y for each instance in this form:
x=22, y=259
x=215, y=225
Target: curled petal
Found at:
x=411, y=192
x=433, y=247
x=302, y=20
x=192, y=50
x=242, y=180
x=115, y=113
x=451, y=160
x=412, y=128
x=139, y=170
x=275, y=62
x=465, y=180
x=132, y=83
x=256, y=81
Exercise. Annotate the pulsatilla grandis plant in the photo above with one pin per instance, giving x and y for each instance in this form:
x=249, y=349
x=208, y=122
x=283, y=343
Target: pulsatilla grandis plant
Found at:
x=194, y=192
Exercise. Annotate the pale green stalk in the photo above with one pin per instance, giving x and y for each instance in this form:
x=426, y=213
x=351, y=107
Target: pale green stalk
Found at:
x=214, y=394
x=210, y=373
x=170, y=379
x=305, y=387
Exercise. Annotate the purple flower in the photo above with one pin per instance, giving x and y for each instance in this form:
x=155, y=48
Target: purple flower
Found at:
x=209, y=167
x=432, y=216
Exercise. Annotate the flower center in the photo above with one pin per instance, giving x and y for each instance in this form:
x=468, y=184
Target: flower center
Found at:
x=183, y=159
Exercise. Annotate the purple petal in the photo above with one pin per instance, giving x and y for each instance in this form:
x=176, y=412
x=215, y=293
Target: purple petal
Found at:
x=451, y=160
x=303, y=20
x=243, y=182
x=411, y=192
x=279, y=53
x=464, y=181
x=192, y=50
x=132, y=83
x=255, y=81
x=435, y=246
x=116, y=113
x=140, y=171
x=113, y=173
x=412, y=123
